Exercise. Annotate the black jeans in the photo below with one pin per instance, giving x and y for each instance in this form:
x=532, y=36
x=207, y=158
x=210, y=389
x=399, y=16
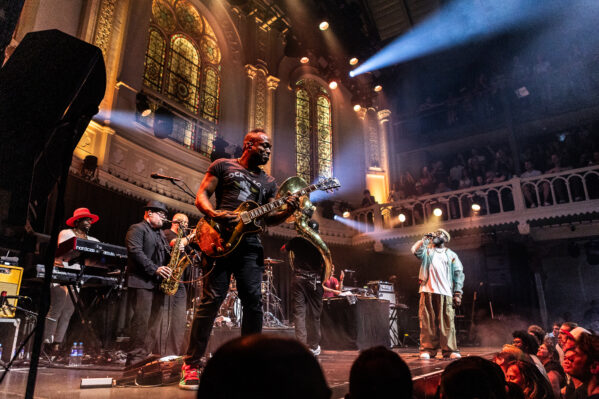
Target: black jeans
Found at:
x=246, y=263
x=146, y=307
x=306, y=294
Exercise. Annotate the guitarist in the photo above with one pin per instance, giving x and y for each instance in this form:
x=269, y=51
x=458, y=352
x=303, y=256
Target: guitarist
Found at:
x=234, y=181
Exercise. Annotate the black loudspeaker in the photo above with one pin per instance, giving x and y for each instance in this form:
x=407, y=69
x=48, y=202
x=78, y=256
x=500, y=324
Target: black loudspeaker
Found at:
x=50, y=88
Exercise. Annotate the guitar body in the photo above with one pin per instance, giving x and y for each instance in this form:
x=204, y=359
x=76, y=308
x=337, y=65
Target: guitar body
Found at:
x=218, y=240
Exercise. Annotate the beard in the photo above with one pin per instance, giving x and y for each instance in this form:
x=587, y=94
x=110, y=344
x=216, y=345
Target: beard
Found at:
x=438, y=241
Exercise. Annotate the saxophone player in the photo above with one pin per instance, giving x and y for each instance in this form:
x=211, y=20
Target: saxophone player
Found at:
x=147, y=253
x=176, y=305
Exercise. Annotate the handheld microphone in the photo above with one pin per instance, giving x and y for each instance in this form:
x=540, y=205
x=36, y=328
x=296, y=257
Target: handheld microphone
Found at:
x=165, y=177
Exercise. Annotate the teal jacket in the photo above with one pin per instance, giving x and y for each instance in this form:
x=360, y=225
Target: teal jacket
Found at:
x=425, y=253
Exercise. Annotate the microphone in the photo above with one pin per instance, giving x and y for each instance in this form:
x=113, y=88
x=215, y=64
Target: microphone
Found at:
x=165, y=177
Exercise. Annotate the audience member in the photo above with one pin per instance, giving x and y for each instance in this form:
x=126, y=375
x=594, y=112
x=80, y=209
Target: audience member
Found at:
x=585, y=363
x=537, y=332
x=574, y=389
x=379, y=373
x=530, y=379
x=529, y=345
x=368, y=199
x=472, y=377
x=548, y=355
x=263, y=367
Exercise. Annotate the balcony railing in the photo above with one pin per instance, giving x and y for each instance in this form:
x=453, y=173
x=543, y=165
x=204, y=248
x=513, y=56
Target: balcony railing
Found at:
x=515, y=200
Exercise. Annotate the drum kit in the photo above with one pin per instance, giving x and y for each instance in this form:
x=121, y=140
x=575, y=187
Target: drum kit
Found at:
x=230, y=313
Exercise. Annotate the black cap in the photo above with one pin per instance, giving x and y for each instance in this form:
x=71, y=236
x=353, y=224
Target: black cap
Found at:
x=155, y=205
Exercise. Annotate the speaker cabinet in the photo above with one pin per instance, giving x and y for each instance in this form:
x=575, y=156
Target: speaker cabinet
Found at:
x=10, y=281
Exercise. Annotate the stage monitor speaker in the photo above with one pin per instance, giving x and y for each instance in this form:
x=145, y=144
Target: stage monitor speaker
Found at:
x=50, y=88
x=10, y=281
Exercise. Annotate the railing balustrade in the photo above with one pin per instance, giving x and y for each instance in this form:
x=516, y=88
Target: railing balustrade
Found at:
x=512, y=198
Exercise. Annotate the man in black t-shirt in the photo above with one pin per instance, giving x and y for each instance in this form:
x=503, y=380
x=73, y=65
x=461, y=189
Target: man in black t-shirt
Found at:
x=306, y=288
x=234, y=181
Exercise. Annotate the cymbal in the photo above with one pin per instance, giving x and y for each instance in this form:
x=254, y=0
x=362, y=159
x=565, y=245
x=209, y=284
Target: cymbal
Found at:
x=271, y=261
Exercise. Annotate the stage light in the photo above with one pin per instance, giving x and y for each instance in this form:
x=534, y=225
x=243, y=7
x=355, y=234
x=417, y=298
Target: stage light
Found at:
x=352, y=74
x=333, y=85
x=475, y=207
x=357, y=107
x=353, y=61
x=142, y=105
x=346, y=214
x=437, y=212
x=402, y=217
x=304, y=60
x=378, y=88
x=324, y=25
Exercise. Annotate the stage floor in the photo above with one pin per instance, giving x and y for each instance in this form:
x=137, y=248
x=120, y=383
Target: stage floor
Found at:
x=64, y=383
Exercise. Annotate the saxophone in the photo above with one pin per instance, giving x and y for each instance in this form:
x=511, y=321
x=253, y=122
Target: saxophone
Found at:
x=177, y=264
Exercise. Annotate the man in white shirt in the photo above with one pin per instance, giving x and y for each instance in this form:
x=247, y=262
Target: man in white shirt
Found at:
x=441, y=280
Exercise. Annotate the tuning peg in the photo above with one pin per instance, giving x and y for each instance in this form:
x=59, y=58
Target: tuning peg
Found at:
x=219, y=249
x=228, y=245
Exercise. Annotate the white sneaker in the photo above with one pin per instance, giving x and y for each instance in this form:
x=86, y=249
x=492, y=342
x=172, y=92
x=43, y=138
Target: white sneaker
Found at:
x=316, y=351
x=425, y=356
x=455, y=355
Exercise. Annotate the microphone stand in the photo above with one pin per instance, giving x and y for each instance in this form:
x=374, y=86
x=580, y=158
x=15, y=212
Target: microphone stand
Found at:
x=185, y=189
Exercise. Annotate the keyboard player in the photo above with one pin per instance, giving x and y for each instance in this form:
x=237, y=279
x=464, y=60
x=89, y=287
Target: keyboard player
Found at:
x=61, y=305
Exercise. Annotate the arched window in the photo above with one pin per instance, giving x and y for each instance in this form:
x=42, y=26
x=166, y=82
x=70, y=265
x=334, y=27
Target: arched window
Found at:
x=182, y=66
x=313, y=128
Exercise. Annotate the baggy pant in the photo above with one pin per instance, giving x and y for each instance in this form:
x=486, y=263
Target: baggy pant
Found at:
x=437, y=328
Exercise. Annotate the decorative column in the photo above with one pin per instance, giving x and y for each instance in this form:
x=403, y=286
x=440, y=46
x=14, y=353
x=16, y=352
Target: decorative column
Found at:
x=251, y=72
x=261, y=101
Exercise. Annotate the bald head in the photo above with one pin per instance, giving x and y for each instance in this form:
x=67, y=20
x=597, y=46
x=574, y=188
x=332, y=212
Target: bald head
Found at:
x=254, y=136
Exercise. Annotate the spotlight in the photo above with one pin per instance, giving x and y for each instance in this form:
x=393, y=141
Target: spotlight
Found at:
x=378, y=88
x=304, y=60
x=142, y=104
x=437, y=212
x=402, y=217
x=346, y=214
x=475, y=207
x=357, y=107
x=352, y=74
x=333, y=85
x=353, y=61
x=324, y=25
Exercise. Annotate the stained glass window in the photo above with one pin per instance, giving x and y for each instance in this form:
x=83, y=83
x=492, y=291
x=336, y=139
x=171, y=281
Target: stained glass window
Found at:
x=154, y=63
x=183, y=73
x=325, y=148
x=163, y=16
x=302, y=128
x=189, y=18
x=182, y=62
x=314, y=152
x=210, y=94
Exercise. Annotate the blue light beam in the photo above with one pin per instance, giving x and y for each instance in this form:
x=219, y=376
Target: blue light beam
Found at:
x=461, y=22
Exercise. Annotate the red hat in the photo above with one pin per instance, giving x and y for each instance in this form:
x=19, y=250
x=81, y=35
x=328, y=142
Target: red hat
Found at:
x=81, y=213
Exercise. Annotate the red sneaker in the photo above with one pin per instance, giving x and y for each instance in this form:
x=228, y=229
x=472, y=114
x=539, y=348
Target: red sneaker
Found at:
x=190, y=378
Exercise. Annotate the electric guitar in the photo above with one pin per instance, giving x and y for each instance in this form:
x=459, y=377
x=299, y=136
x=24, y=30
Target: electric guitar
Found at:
x=219, y=239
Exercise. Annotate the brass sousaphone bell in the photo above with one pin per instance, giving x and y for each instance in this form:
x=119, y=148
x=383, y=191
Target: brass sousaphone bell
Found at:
x=300, y=218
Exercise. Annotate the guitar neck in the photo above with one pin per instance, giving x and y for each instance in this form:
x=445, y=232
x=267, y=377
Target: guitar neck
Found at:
x=266, y=208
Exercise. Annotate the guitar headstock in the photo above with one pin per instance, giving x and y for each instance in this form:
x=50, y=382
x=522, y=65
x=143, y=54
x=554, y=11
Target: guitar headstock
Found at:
x=328, y=184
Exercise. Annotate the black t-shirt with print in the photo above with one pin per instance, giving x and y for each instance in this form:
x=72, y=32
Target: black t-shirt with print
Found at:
x=236, y=184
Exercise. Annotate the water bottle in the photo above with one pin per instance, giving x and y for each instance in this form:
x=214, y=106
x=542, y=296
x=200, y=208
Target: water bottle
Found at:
x=80, y=354
x=73, y=355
